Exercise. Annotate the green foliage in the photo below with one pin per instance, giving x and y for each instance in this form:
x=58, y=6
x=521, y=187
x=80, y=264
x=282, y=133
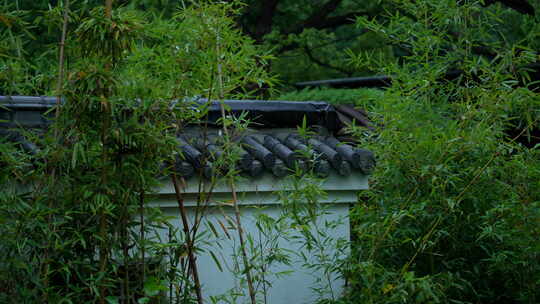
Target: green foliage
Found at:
x=309, y=38
x=453, y=213
x=71, y=225
x=99, y=36
x=192, y=42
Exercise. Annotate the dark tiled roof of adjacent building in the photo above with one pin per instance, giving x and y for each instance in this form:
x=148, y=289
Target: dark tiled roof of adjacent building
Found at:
x=279, y=153
x=273, y=145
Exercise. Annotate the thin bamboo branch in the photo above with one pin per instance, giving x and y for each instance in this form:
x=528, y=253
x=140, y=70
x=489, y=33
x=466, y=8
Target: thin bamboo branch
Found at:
x=59, y=89
x=263, y=270
x=125, y=249
x=103, y=224
x=172, y=268
x=189, y=242
x=439, y=219
x=59, y=84
x=143, y=266
x=232, y=185
x=108, y=8
x=200, y=212
x=103, y=254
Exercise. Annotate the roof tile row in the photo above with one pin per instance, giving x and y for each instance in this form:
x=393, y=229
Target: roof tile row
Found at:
x=279, y=154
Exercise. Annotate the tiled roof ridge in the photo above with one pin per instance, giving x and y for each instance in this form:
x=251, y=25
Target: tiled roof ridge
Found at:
x=279, y=154
x=263, y=113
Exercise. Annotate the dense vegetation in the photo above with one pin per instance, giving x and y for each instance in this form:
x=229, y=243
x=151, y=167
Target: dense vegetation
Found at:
x=75, y=227
x=453, y=214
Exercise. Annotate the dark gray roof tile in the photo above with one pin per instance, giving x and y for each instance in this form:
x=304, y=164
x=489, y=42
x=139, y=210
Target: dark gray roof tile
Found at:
x=327, y=153
x=280, y=169
x=255, y=148
x=367, y=161
x=190, y=153
x=274, y=153
x=254, y=169
x=293, y=143
x=346, y=151
x=321, y=168
x=183, y=168
x=287, y=155
x=344, y=168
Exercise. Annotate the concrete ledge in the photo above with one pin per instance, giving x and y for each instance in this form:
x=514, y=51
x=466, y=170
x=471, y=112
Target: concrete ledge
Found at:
x=269, y=183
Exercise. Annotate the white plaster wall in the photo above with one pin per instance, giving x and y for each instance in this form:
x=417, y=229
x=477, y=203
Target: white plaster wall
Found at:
x=258, y=197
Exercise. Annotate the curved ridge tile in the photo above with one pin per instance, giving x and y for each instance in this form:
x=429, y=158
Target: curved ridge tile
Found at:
x=252, y=145
x=283, y=152
x=321, y=168
x=327, y=152
x=246, y=160
x=209, y=148
x=280, y=169
x=294, y=143
x=209, y=171
x=344, y=168
x=345, y=150
x=190, y=153
x=279, y=154
x=359, y=158
x=254, y=169
x=367, y=161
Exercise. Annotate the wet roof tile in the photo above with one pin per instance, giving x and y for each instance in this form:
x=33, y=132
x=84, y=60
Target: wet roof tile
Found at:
x=279, y=155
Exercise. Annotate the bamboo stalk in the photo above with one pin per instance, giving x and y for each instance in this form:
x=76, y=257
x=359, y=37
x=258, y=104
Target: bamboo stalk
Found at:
x=185, y=224
x=59, y=84
x=59, y=89
x=172, y=272
x=108, y=8
x=102, y=254
x=232, y=185
x=143, y=266
x=125, y=249
x=103, y=220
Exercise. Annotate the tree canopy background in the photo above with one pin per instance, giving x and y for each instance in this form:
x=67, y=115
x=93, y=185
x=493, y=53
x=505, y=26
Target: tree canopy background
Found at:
x=310, y=40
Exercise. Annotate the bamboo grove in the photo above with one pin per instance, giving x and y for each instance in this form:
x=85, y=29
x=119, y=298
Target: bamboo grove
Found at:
x=76, y=222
